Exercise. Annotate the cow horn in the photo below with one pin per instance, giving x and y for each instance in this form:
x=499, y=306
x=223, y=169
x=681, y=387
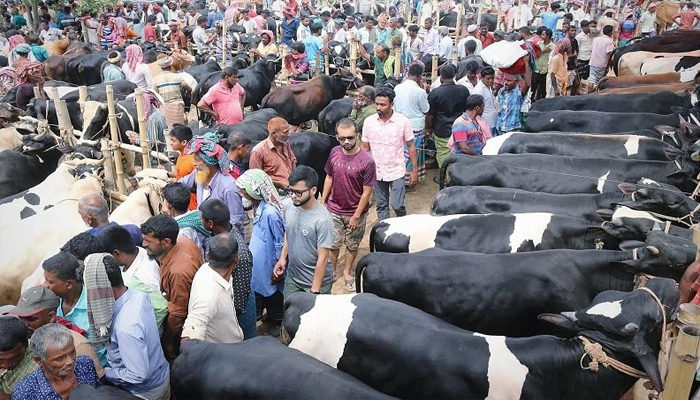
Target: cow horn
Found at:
x=653, y=250
x=40, y=137
x=570, y=315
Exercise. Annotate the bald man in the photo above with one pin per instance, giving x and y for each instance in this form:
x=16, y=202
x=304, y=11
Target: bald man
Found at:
x=94, y=211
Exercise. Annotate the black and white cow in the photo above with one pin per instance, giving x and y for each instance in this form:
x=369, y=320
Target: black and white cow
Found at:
x=407, y=353
x=466, y=289
x=561, y=175
x=596, y=121
x=631, y=147
x=231, y=371
x=661, y=198
x=628, y=224
x=104, y=392
x=656, y=103
x=488, y=233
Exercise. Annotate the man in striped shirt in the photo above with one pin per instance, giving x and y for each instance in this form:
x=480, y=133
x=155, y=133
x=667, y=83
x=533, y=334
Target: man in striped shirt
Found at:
x=168, y=85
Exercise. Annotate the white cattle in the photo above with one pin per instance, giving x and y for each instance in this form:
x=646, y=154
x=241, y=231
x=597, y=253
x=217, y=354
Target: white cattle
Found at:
x=28, y=242
x=631, y=63
x=670, y=64
x=10, y=138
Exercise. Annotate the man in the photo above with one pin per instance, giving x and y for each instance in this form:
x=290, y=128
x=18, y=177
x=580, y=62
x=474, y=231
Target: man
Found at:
x=447, y=102
x=571, y=63
x=352, y=27
x=194, y=16
x=511, y=97
x=211, y=315
x=112, y=68
x=15, y=358
x=215, y=218
x=363, y=106
x=471, y=32
x=210, y=177
x=169, y=86
x=61, y=276
x=585, y=47
x=470, y=49
x=686, y=19
x=578, y=14
x=178, y=41
x=340, y=35
x=368, y=34
x=200, y=37
x=485, y=89
x=135, y=360
x=608, y=18
x=551, y=17
x=289, y=27
x=94, y=211
x=412, y=102
x=328, y=24
x=225, y=100
x=314, y=45
x=303, y=31
x=469, y=131
x=238, y=149
x=247, y=22
x=179, y=260
x=539, y=78
x=519, y=15
x=431, y=41
x=214, y=15
x=48, y=34
x=648, y=21
x=39, y=52
x=37, y=307
x=601, y=52
x=393, y=32
x=274, y=155
x=308, y=242
x=149, y=31
x=385, y=136
x=176, y=197
x=179, y=140
x=350, y=176
x=445, y=47
x=138, y=269
x=485, y=36
x=383, y=61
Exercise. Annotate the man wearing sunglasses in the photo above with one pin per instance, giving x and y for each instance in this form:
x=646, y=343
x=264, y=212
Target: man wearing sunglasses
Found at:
x=350, y=176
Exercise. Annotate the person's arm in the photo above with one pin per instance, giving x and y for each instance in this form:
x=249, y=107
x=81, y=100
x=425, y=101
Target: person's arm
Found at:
x=171, y=335
x=178, y=300
x=202, y=105
x=134, y=354
x=241, y=99
x=364, y=202
x=199, y=314
x=528, y=78
x=234, y=202
x=465, y=149
x=320, y=269
x=281, y=264
x=413, y=156
x=327, y=183
x=687, y=284
x=553, y=79
x=363, y=52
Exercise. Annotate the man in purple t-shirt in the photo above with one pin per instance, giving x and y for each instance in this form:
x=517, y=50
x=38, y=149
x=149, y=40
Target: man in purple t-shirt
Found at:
x=351, y=175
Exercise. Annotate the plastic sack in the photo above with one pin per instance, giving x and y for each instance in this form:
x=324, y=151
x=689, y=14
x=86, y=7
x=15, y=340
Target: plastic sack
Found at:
x=502, y=54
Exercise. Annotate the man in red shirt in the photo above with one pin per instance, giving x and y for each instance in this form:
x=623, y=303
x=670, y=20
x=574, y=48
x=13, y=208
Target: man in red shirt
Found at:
x=225, y=100
x=485, y=36
x=178, y=41
x=687, y=17
x=149, y=32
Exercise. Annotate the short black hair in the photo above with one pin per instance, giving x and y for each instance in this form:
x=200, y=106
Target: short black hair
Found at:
x=114, y=273
x=229, y=71
x=315, y=27
x=447, y=72
x=161, y=227
x=549, y=32
x=474, y=101
x=570, y=16
x=202, y=19
x=236, y=139
x=470, y=46
x=345, y=123
x=413, y=28
x=585, y=23
x=63, y=265
x=415, y=70
x=216, y=211
x=326, y=14
x=151, y=18
x=306, y=174
x=484, y=25
x=115, y=237
x=472, y=66
x=12, y=332
x=181, y=132
x=386, y=92
x=298, y=46
x=607, y=30
x=556, y=6
x=487, y=71
x=540, y=29
x=82, y=245
x=223, y=249
x=178, y=195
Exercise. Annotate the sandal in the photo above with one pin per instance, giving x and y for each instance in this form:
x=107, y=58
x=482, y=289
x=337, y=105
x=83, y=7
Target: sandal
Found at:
x=350, y=285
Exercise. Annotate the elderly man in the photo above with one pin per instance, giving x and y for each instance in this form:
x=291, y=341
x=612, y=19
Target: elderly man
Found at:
x=383, y=61
x=94, y=211
x=445, y=46
x=60, y=370
x=274, y=155
x=169, y=86
x=393, y=32
x=412, y=102
x=211, y=179
x=363, y=106
x=15, y=358
x=112, y=68
x=471, y=32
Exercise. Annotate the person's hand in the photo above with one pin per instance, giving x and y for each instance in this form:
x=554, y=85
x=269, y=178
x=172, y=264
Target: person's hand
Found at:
x=132, y=136
x=428, y=133
x=169, y=351
x=278, y=271
x=353, y=222
x=413, y=179
x=215, y=116
x=356, y=105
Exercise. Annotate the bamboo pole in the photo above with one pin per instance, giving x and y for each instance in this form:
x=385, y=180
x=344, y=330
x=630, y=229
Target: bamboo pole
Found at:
x=64, y=124
x=52, y=92
x=434, y=73
x=107, y=154
x=317, y=70
x=328, y=63
x=353, y=57
x=114, y=131
x=397, y=63
x=37, y=92
x=284, y=67
x=138, y=149
x=479, y=11
x=143, y=130
x=436, y=13
x=681, y=368
x=696, y=240
x=82, y=97
x=224, y=42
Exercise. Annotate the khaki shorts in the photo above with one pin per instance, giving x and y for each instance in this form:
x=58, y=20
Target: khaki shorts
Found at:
x=343, y=235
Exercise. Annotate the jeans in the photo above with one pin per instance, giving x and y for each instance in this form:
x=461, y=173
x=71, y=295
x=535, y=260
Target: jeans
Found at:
x=274, y=305
x=539, y=86
x=393, y=193
x=246, y=319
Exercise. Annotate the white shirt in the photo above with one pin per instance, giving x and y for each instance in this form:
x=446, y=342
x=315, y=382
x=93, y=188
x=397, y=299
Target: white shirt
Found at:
x=303, y=32
x=50, y=35
x=412, y=101
x=490, y=109
x=277, y=7
x=466, y=83
x=363, y=35
x=579, y=15
x=445, y=47
x=141, y=76
x=431, y=41
x=211, y=314
x=200, y=39
x=460, y=46
x=340, y=36
x=145, y=269
x=250, y=25
x=585, y=43
x=647, y=21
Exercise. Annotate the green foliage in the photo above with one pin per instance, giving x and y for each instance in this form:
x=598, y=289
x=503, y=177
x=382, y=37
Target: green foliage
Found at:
x=94, y=6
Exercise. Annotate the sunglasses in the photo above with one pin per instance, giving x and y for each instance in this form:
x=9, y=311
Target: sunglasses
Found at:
x=343, y=139
x=296, y=193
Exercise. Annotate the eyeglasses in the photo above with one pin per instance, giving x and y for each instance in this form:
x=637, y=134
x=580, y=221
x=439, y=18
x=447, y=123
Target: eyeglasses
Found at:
x=296, y=193
x=343, y=139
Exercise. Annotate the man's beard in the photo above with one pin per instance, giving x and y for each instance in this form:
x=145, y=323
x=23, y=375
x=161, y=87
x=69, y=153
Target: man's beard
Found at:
x=202, y=177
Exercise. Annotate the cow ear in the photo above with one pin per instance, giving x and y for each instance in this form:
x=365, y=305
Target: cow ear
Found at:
x=627, y=188
x=651, y=367
x=558, y=320
x=604, y=213
x=629, y=245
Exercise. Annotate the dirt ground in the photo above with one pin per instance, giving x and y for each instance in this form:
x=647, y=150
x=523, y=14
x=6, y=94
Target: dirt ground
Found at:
x=417, y=202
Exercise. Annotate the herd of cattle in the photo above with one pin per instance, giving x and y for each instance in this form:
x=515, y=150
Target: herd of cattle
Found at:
x=534, y=244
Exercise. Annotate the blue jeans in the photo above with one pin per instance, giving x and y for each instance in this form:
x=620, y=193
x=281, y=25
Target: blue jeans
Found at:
x=247, y=319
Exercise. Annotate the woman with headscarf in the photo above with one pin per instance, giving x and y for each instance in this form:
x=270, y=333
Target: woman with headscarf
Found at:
x=558, y=80
x=29, y=74
x=628, y=26
x=12, y=55
x=266, y=45
x=265, y=242
x=135, y=69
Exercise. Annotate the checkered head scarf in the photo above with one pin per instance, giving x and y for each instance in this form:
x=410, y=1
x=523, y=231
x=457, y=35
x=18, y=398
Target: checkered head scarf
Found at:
x=208, y=148
x=100, y=299
x=259, y=186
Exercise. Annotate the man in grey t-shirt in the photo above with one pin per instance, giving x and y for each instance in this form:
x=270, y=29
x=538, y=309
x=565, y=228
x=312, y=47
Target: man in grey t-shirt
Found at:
x=308, y=238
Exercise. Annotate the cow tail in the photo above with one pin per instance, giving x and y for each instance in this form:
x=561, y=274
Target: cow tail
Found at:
x=443, y=170
x=371, y=239
x=359, y=274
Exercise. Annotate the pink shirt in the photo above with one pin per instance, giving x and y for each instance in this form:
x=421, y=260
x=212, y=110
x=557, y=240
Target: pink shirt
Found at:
x=226, y=102
x=601, y=47
x=386, y=141
x=260, y=20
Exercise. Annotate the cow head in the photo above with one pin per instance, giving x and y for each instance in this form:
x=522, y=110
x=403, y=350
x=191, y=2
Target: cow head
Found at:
x=39, y=143
x=26, y=125
x=661, y=254
x=9, y=113
x=662, y=198
x=627, y=324
x=82, y=151
x=82, y=171
x=343, y=80
x=98, y=124
x=629, y=224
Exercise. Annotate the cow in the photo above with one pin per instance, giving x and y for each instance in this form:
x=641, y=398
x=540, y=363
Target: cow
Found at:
x=628, y=224
x=29, y=166
x=302, y=102
x=98, y=92
x=657, y=103
x=596, y=121
x=670, y=64
x=631, y=63
x=141, y=204
x=11, y=135
x=30, y=241
x=612, y=82
x=665, y=44
x=372, y=338
x=195, y=74
x=312, y=149
x=55, y=67
x=463, y=288
x=670, y=87
x=104, y=392
x=561, y=175
x=488, y=233
x=98, y=126
x=662, y=199
x=339, y=53
x=226, y=371
x=85, y=69
x=45, y=110
x=334, y=112
x=631, y=147
x=254, y=127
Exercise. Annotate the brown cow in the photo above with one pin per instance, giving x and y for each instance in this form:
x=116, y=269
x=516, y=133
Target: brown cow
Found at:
x=611, y=82
x=670, y=87
x=664, y=14
x=55, y=66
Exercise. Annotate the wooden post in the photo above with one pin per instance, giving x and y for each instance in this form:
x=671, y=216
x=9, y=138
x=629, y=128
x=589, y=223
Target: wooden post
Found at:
x=37, y=92
x=696, y=239
x=86, y=37
x=328, y=63
x=114, y=131
x=478, y=13
x=64, y=124
x=284, y=57
x=681, y=367
x=434, y=74
x=82, y=97
x=52, y=92
x=224, y=44
x=317, y=70
x=436, y=12
x=143, y=130
x=353, y=57
x=397, y=63
x=458, y=26
x=107, y=154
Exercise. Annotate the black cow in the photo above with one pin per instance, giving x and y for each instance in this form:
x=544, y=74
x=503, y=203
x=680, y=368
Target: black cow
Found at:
x=410, y=354
x=656, y=103
x=231, y=371
x=463, y=288
x=302, y=102
x=98, y=92
x=254, y=127
x=628, y=224
x=631, y=147
x=29, y=167
x=126, y=119
x=45, y=110
x=104, y=392
x=489, y=233
x=85, y=69
x=554, y=174
x=334, y=112
x=676, y=43
x=339, y=53
x=196, y=74
x=449, y=20
x=312, y=149
x=649, y=195
x=596, y=121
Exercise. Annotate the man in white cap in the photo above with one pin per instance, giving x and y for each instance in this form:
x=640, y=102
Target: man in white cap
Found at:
x=168, y=85
x=471, y=32
x=111, y=69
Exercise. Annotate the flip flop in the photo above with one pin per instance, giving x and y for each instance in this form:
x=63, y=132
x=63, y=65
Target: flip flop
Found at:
x=350, y=285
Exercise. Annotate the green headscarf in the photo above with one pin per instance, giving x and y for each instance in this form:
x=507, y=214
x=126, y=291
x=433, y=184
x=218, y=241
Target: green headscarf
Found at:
x=259, y=186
